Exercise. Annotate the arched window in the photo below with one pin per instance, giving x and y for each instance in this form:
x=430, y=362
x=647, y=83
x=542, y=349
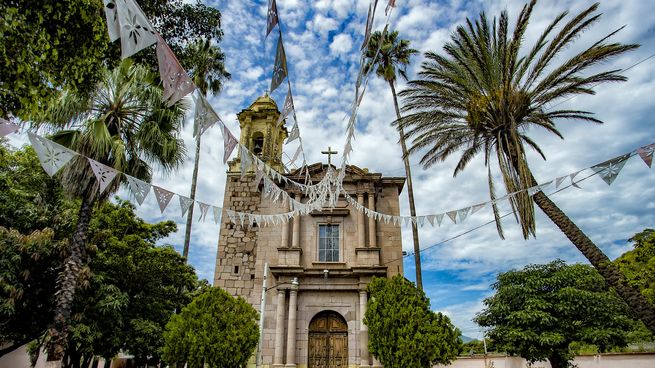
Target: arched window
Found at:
x=257, y=143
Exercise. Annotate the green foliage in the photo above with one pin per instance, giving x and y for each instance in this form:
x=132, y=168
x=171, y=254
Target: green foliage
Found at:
x=638, y=265
x=403, y=331
x=476, y=347
x=388, y=55
x=539, y=311
x=215, y=329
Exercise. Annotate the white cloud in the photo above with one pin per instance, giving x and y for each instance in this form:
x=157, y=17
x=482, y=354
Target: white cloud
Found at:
x=341, y=44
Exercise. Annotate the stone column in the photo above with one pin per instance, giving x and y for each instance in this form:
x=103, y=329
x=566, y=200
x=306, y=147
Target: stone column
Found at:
x=363, y=331
x=285, y=228
x=372, y=241
x=279, y=329
x=295, y=237
x=291, y=328
x=361, y=230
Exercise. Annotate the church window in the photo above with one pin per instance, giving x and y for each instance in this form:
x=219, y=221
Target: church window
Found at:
x=258, y=143
x=328, y=243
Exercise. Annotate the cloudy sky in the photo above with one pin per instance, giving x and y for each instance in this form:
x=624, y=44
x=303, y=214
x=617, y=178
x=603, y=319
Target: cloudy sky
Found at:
x=322, y=39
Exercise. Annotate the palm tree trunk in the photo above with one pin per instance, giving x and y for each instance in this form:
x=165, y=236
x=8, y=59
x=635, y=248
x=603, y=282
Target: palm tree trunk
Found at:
x=67, y=283
x=189, y=217
x=410, y=192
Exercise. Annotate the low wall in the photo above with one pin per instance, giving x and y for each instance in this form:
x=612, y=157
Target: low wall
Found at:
x=612, y=360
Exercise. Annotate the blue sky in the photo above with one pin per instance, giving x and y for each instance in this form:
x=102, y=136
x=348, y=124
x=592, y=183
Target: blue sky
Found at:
x=322, y=39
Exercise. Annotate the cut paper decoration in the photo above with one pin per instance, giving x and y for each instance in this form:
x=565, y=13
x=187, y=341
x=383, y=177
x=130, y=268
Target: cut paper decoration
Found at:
x=246, y=161
x=52, y=156
x=294, y=134
x=205, y=115
x=369, y=26
x=203, y=211
x=610, y=169
x=176, y=82
x=452, y=215
x=421, y=221
x=163, y=197
x=271, y=18
x=135, y=31
x=280, y=67
x=478, y=207
x=572, y=176
x=559, y=181
x=287, y=108
x=439, y=219
x=229, y=142
x=103, y=173
x=113, y=26
x=7, y=127
x=390, y=4
x=185, y=203
x=463, y=213
x=217, y=214
x=646, y=153
x=139, y=188
x=431, y=219
x=295, y=155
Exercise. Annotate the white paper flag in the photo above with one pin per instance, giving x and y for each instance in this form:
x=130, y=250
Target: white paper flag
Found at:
x=572, y=176
x=610, y=169
x=205, y=116
x=7, y=127
x=111, y=15
x=52, y=156
x=139, y=188
x=246, y=161
x=136, y=32
x=163, y=197
x=294, y=134
x=217, y=214
x=103, y=173
x=478, y=207
x=463, y=213
x=431, y=219
x=203, y=211
x=439, y=218
x=287, y=108
x=229, y=142
x=185, y=203
x=559, y=181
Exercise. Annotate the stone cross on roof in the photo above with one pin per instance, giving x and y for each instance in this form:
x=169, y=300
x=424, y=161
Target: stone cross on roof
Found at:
x=329, y=152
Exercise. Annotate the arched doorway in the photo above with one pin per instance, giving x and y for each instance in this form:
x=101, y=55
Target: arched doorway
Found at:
x=328, y=341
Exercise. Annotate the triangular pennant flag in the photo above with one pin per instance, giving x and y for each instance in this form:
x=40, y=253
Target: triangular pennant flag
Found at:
x=610, y=169
x=463, y=213
x=103, y=173
x=545, y=185
x=271, y=18
x=7, y=127
x=646, y=153
x=406, y=220
x=203, y=211
x=294, y=134
x=421, y=221
x=532, y=190
x=390, y=4
x=287, y=108
x=431, y=219
x=246, y=161
x=113, y=26
x=295, y=155
x=135, y=31
x=163, y=197
x=452, y=215
x=258, y=176
x=51, y=155
x=478, y=207
x=185, y=203
x=205, y=116
x=559, y=181
x=229, y=142
x=217, y=214
x=139, y=188
x=572, y=176
x=280, y=67
x=369, y=26
x=176, y=82
x=439, y=219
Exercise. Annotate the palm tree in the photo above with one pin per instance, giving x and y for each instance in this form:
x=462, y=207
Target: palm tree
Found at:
x=208, y=74
x=125, y=124
x=390, y=56
x=482, y=96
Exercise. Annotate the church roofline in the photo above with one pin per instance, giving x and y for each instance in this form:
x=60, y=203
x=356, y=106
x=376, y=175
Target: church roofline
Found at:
x=356, y=172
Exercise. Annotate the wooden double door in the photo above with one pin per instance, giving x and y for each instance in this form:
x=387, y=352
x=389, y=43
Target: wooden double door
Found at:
x=328, y=341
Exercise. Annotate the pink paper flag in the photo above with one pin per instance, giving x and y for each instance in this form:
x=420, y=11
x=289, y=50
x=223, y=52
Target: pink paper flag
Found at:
x=163, y=197
x=646, y=153
x=229, y=142
x=452, y=215
x=7, y=127
x=176, y=82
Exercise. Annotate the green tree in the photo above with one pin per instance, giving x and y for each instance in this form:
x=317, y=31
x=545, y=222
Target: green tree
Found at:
x=208, y=73
x=389, y=56
x=403, y=331
x=483, y=97
x=638, y=265
x=215, y=329
x=539, y=311
x=123, y=123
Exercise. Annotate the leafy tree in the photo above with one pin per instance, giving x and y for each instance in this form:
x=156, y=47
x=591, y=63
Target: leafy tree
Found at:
x=125, y=124
x=484, y=96
x=638, y=265
x=389, y=56
x=403, y=331
x=476, y=347
x=539, y=311
x=208, y=72
x=215, y=329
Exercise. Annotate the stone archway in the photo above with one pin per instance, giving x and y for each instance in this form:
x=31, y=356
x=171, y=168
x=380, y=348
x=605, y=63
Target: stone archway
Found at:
x=328, y=341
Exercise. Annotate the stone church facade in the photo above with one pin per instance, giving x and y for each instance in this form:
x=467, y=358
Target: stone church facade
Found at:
x=318, y=265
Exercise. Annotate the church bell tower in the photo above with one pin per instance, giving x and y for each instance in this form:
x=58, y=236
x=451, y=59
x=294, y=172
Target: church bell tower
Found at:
x=261, y=133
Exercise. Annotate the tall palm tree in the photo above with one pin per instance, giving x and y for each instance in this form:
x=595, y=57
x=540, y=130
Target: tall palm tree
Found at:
x=125, y=124
x=389, y=56
x=482, y=96
x=208, y=74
